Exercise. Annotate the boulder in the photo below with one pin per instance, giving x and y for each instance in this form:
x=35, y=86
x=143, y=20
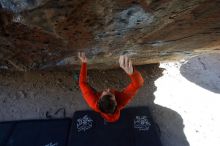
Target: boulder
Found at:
x=47, y=34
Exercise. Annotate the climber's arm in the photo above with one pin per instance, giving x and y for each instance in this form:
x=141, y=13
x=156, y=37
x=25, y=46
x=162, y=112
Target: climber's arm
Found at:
x=136, y=81
x=129, y=92
x=87, y=92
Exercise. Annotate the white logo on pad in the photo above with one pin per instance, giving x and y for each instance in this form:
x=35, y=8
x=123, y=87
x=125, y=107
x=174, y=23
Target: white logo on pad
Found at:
x=51, y=144
x=141, y=123
x=84, y=123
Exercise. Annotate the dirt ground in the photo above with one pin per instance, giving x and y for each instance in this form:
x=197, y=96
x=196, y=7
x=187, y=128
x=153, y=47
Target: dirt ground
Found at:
x=39, y=95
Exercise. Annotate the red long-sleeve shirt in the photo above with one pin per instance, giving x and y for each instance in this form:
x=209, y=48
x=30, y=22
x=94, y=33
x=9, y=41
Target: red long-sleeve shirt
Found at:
x=122, y=97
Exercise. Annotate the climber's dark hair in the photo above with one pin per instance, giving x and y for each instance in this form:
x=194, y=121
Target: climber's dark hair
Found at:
x=106, y=104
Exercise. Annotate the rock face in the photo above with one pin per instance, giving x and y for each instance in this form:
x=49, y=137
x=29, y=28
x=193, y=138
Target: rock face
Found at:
x=42, y=34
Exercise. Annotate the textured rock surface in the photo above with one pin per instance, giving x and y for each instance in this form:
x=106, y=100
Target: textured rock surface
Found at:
x=41, y=34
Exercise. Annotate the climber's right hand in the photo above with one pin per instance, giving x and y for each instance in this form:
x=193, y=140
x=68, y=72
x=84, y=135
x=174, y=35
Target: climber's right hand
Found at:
x=82, y=57
x=126, y=64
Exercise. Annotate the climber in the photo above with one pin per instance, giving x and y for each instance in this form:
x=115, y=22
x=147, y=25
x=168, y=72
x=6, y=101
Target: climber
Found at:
x=109, y=102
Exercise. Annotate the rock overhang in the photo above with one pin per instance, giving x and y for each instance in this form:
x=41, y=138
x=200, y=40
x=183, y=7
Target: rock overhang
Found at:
x=41, y=34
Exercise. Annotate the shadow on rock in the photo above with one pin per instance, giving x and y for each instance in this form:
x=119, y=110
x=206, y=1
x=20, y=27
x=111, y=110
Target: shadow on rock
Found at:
x=204, y=71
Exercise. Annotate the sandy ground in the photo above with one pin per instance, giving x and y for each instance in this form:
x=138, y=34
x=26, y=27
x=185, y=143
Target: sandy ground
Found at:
x=192, y=89
x=184, y=97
